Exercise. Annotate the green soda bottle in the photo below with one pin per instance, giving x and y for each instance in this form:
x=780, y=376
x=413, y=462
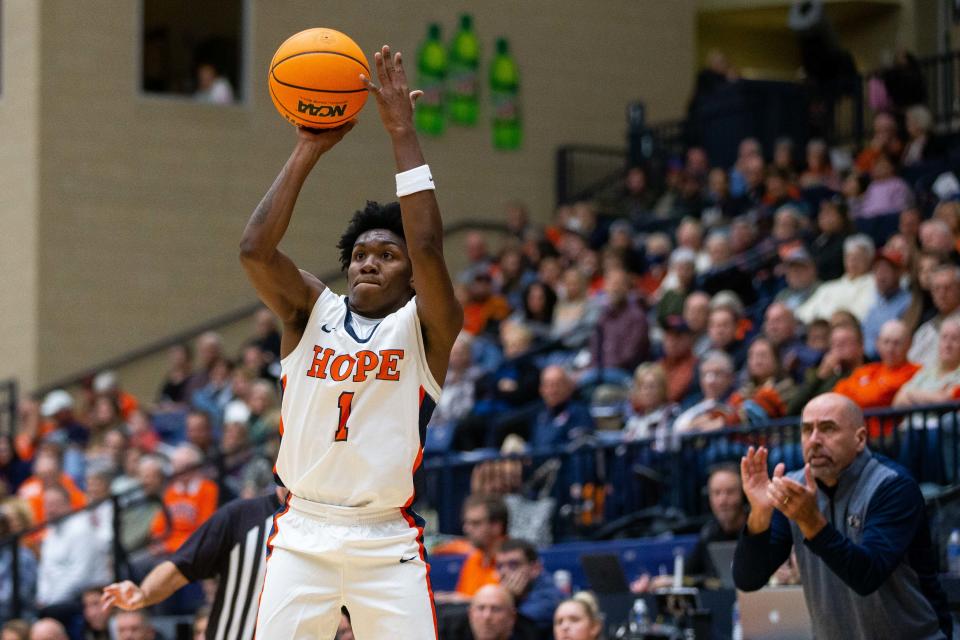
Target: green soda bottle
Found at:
x=431, y=71
x=505, y=95
x=463, y=89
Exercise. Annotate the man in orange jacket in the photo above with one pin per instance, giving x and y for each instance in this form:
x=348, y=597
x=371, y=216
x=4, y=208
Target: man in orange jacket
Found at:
x=189, y=500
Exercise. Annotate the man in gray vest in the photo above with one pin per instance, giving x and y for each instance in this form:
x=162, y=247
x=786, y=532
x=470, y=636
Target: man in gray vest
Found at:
x=857, y=523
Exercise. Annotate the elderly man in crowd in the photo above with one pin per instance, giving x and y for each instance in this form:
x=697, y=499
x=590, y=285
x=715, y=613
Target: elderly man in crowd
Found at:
x=857, y=524
x=854, y=291
x=875, y=384
x=801, y=276
x=780, y=327
x=945, y=288
x=844, y=355
x=493, y=616
x=562, y=418
x=716, y=382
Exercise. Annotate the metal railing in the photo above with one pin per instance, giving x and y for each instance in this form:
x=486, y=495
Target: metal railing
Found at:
x=602, y=487
x=597, y=482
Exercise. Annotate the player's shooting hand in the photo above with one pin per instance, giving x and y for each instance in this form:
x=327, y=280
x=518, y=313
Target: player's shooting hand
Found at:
x=125, y=595
x=394, y=99
x=322, y=140
x=798, y=502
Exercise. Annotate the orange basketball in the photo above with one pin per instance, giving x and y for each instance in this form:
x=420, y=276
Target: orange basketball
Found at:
x=315, y=78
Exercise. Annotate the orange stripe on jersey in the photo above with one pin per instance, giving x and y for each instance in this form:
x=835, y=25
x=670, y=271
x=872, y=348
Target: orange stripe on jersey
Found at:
x=266, y=561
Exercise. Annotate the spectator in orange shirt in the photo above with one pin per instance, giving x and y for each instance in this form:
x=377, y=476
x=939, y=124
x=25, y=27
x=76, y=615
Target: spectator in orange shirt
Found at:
x=189, y=499
x=485, y=525
x=483, y=304
x=106, y=384
x=875, y=384
x=47, y=472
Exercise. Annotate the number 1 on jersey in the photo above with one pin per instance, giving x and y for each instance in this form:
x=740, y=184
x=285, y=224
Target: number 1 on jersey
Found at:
x=343, y=402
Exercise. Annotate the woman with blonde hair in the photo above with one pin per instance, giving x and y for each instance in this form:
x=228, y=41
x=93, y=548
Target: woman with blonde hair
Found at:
x=651, y=413
x=578, y=618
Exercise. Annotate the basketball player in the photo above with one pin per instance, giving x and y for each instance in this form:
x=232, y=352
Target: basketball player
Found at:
x=361, y=374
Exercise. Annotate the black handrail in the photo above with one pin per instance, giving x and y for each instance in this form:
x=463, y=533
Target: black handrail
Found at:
x=229, y=317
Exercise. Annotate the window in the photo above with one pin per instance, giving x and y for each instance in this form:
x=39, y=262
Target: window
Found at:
x=194, y=49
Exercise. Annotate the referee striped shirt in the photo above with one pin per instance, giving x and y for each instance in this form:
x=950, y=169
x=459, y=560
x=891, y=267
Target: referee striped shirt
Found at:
x=231, y=545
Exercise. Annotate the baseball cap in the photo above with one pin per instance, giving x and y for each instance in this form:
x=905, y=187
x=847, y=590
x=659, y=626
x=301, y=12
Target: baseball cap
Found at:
x=104, y=382
x=608, y=401
x=675, y=323
x=55, y=402
x=892, y=256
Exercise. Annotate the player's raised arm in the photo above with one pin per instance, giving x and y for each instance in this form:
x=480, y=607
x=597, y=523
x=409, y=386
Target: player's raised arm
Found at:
x=440, y=314
x=287, y=291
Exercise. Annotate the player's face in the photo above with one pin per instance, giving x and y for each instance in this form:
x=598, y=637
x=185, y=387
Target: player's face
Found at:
x=379, y=274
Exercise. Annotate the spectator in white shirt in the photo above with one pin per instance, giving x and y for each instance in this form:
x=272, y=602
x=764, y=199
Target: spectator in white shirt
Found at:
x=855, y=291
x=945, y=289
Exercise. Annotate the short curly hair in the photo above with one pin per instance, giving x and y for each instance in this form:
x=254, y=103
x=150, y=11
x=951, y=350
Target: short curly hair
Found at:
x=373, y=216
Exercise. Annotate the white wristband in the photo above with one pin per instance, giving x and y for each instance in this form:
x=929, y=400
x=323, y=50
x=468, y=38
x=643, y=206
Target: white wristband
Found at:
x=414, y=180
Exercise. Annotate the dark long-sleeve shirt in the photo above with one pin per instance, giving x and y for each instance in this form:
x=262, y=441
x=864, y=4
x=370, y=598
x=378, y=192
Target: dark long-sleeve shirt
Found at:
x=872, y=570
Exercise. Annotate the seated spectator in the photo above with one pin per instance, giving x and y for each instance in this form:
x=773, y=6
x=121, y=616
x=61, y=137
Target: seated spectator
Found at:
x=728, y=514
x=214, y=396
x=677, y=284
x=575, y=315
x=95, y=617
x=651, y=412
x=13, y=470
x=562, y=417
x=15, y=630
x=199, y=433
x=27, y=583
x=513, y=276
x=696, y=313
x=213, y=88
x=892, y=300
x=492, y=615
x=638, y=196
x=945, y=289
x=854, y=291
x=621, y=340
x=106, y=384
x=621, y=245
x=539, y=303
x=209, y=350
x=724, y=272
x=678, y=357
x=921, y=307
x=818, y=172
x=72, y=557
x=58, y=425
x=173, y=389
x=780, y=328
x=722, y=331
x=266, y=336
x=483, y=304
x=713, y=412
x=885, y=141
x=457, y=397
x=147, y=503
x=938, y=381
x=801, y=276
x=719, y=203
x=578, y=618
x=887, y=192
x=522, y=574
x=190, y=500
x=656, y=254
x=485, y=526
x=766, y=391
x=133, y=625
x=48, y=629
x=99, y=477
x=876, y=384
x=833, y=227
x=264, y=411
x=922, y=145
x=47, y=472
x=937, y=237
x=844, y=355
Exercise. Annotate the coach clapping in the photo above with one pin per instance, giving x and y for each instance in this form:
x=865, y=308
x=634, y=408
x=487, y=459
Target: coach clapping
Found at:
x=858, y=525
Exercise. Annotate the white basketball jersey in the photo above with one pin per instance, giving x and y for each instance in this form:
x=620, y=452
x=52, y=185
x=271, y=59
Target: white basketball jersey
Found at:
x=354, y=411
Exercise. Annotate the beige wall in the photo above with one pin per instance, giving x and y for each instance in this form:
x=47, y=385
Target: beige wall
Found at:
x=143, y=199
x=19, y=100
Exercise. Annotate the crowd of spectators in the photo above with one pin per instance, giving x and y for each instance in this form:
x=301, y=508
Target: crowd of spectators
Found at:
x=694, y=301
